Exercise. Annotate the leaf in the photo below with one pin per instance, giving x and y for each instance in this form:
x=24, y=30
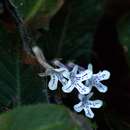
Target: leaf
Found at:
x=19, y=83
x=38, y=117
x=37, y=13
x=124, y=33
x=71, y=30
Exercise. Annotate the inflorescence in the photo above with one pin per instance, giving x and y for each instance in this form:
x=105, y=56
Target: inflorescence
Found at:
x=72, y=76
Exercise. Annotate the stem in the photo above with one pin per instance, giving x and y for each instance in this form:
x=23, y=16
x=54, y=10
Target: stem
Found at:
x=41, y=58
x=26, y=40
x=18, y=81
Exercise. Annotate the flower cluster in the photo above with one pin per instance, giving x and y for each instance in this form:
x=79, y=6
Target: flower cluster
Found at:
x=72, y=76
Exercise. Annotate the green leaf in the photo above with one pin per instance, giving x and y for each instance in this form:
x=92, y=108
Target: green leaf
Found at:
x=38, y=117
x=19, y=83
x=29, y=8
x=71, y=30
x=34, y=10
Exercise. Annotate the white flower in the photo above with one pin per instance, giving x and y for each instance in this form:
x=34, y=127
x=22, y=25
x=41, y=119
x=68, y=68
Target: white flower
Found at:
x=55, y=75
x=75, y=80
x=73, y=76
x=86, y=105
x=94, y=81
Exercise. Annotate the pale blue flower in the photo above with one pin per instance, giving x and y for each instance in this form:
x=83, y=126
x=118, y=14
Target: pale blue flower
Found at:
x=94, y=81
x=86, y=104
x=55, y=76
x=75, y=80
x=73, y=76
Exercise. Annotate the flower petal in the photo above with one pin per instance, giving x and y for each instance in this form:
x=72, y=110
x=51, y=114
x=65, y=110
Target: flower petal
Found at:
x=58, y=63
x=78, y=107
x=88, y=112
x=104, y=75
x=90, y=67
x=84, y=75
x=101, y=88
x=53, y=82
x=88, y=83
x=71, y=65
x=66, y=74
x=60, y=70
x=62, y=80
x=75, y=69
x=80, y=96
x=67, y=88
x=95, y=103
x=89, y=95
x=42, y=74
x=82, y=88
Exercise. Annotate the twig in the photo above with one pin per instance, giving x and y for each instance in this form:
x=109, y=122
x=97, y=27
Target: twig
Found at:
x=26, y=40
x=41, y=58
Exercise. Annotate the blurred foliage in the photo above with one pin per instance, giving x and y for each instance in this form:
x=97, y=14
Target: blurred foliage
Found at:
x=70, y=29
x=29, y=9
x=124, y=33
x=37, y=13
x=72, y=32
x=63, y=29
x=19, y=83
x=38, y=117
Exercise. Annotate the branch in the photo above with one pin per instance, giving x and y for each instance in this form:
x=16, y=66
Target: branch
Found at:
x=26, y=40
